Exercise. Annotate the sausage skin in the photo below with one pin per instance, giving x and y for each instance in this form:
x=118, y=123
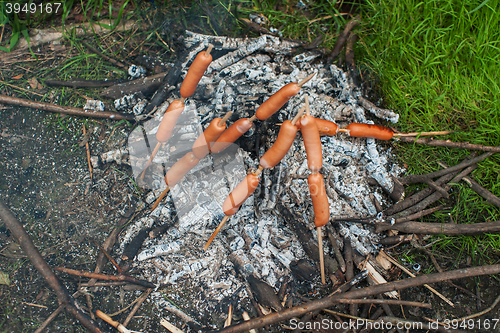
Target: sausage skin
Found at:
x=231, y=134
x=319, y=199
x=312, y=142
x=240, y=193
x=276, y=101
x=195, y=73
x=169, y=120
x=180, y=169
x=325, y=127
x=281, y=146
x=369, y=131
x=202, y=145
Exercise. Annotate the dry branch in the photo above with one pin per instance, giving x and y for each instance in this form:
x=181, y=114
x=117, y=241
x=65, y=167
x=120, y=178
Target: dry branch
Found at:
x=41, y=266
x=490, y=197
x=436, y=195
x=99, y=276
x=331, y=300
x=423, y=178
x=450, y=144
x=441, y=228
x=63, y=109
x=343, y=38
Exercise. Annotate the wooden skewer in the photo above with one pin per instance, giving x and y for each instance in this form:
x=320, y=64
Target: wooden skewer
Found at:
x=216, y=231
x=252, y=118
x=226, y=217
x=301, y=83
x=209, y=49
x=160, y=198
x=226, y=117
x=150, y=160
x=321, y=258
x=297, y=117
x=423, y=133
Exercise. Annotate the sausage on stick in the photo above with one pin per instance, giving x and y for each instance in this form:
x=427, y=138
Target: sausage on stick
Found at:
x=195, y=72
x=282, y=144
x=166, y=128
x=235, y=199
x=232, y=133
x=312, y=143
x=176, y=172
x=380, y=132
x=202, y=145
x=278, y=99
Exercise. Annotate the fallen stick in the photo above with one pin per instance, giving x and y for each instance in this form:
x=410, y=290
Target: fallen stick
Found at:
x=120, y=277
x=450, y=144
x=419, y=196
x=418, y=215
x=82, y=83
x=422, y=178
x=386, y=301
x=441, y=228
x=342, y=39
x=331, y=300
x=63, y=298
x=64, y=109
x=404, y=269
x=349, y=50
x=436, y=195
x=490, y=197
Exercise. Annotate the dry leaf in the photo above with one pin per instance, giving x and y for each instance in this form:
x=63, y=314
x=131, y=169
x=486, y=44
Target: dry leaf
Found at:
x=17, y=77
x=4, y=278
x=34, y=83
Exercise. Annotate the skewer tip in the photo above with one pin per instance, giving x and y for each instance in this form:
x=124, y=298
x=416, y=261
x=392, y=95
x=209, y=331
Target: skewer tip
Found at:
x=304, y=81
x=225, y=118
x=299, y=114
x=209, y=49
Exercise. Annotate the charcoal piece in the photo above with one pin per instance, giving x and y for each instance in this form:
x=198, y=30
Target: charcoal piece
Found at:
x=264, y=293
x=303, y=270
x=135, y=244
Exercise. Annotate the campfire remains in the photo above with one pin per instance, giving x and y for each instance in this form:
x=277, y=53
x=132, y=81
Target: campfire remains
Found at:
x=267, y=238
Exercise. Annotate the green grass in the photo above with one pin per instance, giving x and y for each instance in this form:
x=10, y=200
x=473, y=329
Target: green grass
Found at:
x=438, y=65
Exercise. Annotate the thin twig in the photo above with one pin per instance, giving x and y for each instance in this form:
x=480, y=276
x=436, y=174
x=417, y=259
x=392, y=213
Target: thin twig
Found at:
x=421, y=178
x=395, y=262
x=450, y=144
x=490, y=197
x=137, y=305
x=64, y=109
